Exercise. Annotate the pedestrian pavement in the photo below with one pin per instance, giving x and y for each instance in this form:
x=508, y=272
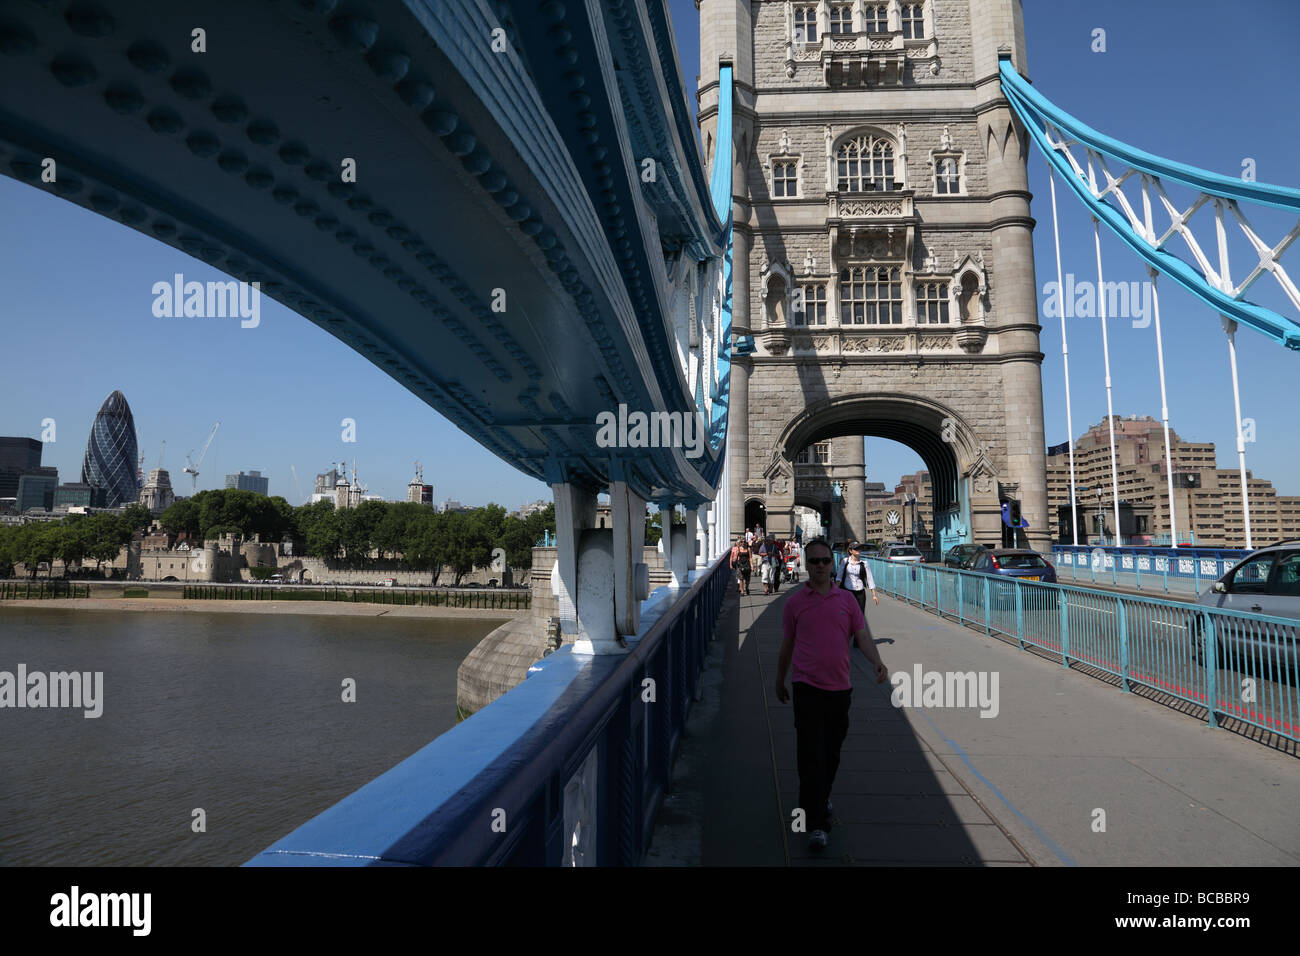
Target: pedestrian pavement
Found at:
x=1069, y=772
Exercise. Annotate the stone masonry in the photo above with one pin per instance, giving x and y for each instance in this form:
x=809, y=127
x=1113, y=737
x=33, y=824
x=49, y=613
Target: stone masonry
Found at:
x=883, y=255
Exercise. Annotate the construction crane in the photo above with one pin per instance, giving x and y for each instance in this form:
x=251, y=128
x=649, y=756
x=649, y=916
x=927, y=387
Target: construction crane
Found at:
x=192, y=467
x=302, y=500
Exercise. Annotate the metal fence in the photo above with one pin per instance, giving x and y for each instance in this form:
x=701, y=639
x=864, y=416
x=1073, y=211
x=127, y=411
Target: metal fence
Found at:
x=569, y=767
x=1171, y=570
x=42, y=589
x=484, y=598
x=1237, y=665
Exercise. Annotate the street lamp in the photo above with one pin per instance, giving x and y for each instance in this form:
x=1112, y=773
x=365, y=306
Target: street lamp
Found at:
x=1101, y=519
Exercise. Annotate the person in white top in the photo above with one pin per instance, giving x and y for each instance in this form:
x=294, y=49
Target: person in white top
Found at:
x=855, y=576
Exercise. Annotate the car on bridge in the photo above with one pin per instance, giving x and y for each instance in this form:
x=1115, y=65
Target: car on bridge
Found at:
x=1267, y=582
x=960, y=555
x=902, y=553
x=1021, y=563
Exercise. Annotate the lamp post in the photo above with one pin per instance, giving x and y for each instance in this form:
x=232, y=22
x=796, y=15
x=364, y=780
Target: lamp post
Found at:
x=1101, y=519
x=837, y=505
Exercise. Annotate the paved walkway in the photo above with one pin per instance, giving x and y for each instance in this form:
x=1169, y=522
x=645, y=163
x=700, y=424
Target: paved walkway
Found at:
x=1065, y=756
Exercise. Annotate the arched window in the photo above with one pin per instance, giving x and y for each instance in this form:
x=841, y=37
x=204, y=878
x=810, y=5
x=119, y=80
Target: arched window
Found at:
x=866, y=164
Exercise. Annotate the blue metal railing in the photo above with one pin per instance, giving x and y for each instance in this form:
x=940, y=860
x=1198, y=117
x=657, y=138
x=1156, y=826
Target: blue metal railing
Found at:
x=570, y=766
x=1147, y=568
x=1237, y=665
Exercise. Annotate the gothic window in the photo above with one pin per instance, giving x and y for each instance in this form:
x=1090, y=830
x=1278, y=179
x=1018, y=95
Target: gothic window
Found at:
x=932, y=303
x=866, y=164
x=818, y=454
x=947, y=177
x=842, y=18
x=805, y=24
x=871, y=295
x=913, y=21
x=875, y=17
x=814, y=305
x=785, y=179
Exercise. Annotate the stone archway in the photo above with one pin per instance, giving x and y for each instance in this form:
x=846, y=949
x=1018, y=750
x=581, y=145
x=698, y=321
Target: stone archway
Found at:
x=963, y=475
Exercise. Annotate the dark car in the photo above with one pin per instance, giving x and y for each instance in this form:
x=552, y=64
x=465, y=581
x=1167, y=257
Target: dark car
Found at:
x=1014, y=563
x=959, y=555
x=1266, y=581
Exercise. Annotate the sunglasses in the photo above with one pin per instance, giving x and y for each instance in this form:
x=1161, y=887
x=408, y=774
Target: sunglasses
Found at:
x=820, y=560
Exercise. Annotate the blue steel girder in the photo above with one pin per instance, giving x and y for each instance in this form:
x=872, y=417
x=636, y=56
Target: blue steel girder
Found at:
x=1043, y=119
x=464, y=186
x=609, y=77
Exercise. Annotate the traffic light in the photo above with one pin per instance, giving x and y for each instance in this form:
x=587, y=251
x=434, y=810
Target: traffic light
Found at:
x=825, y=510
x=1015, y=514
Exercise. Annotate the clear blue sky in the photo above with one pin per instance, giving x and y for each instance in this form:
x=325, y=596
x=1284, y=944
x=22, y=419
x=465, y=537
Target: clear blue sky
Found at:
x=1188, y=80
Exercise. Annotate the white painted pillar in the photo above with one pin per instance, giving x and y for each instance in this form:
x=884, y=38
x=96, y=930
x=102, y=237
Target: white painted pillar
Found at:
x=575, y=511
x=692, y=538
x=631, y=576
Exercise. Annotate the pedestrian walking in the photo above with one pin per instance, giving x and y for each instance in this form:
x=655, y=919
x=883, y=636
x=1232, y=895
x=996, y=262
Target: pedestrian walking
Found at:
x=764, y=557
x=855, y=576
x=819, y=622
x=742, y=562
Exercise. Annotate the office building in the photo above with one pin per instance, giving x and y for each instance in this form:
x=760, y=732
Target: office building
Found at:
x=111, y=453
x=253, y=481
x=1206, y=499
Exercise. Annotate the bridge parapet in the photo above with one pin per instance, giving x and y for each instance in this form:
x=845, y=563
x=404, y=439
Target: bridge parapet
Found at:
x=569, y=768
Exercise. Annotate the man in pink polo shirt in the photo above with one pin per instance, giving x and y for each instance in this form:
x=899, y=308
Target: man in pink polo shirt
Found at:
x=820, y=622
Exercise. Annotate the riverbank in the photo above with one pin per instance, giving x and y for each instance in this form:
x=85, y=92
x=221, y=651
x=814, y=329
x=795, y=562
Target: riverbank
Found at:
x=327, y=608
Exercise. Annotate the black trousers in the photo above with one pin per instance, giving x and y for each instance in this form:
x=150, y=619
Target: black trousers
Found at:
x=821, y=722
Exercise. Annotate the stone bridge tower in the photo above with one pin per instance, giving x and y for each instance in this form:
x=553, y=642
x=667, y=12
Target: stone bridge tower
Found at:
x=883, y=259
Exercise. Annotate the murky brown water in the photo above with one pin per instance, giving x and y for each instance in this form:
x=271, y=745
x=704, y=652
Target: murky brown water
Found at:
x=238, y=714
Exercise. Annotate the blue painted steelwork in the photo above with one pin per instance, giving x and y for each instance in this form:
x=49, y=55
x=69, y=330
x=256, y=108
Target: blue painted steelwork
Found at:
x=1157, y=565
x=1237, y=665
x=1038, y=114
x=492, y=790
x=514, y=170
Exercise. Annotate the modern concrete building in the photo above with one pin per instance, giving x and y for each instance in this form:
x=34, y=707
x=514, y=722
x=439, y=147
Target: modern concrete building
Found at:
x=1206, y=498
x=253, y=481
x=883, y=260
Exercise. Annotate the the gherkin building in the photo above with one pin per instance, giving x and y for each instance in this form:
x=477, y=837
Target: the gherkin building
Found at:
x=111, y=452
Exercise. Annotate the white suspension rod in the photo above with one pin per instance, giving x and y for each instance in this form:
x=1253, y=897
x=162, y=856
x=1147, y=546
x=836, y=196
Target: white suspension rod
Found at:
x=1230, y=327
x=1065, y=357
x=1110, y=408
x=1164, y=414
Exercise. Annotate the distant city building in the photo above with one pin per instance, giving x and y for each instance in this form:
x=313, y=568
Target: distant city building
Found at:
x=18, y=456
x=420, y=494
x=451, y=504
x=532, y=508
x=111, y=452
x=157, y=494
x=36, y=490
x=77, y=494
x=1207, y=499
x=891, y=516
x=253, y=481
x=325, y=485
x=349, y=494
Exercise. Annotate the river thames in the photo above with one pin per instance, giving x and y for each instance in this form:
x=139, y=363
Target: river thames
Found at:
x=240, y=716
